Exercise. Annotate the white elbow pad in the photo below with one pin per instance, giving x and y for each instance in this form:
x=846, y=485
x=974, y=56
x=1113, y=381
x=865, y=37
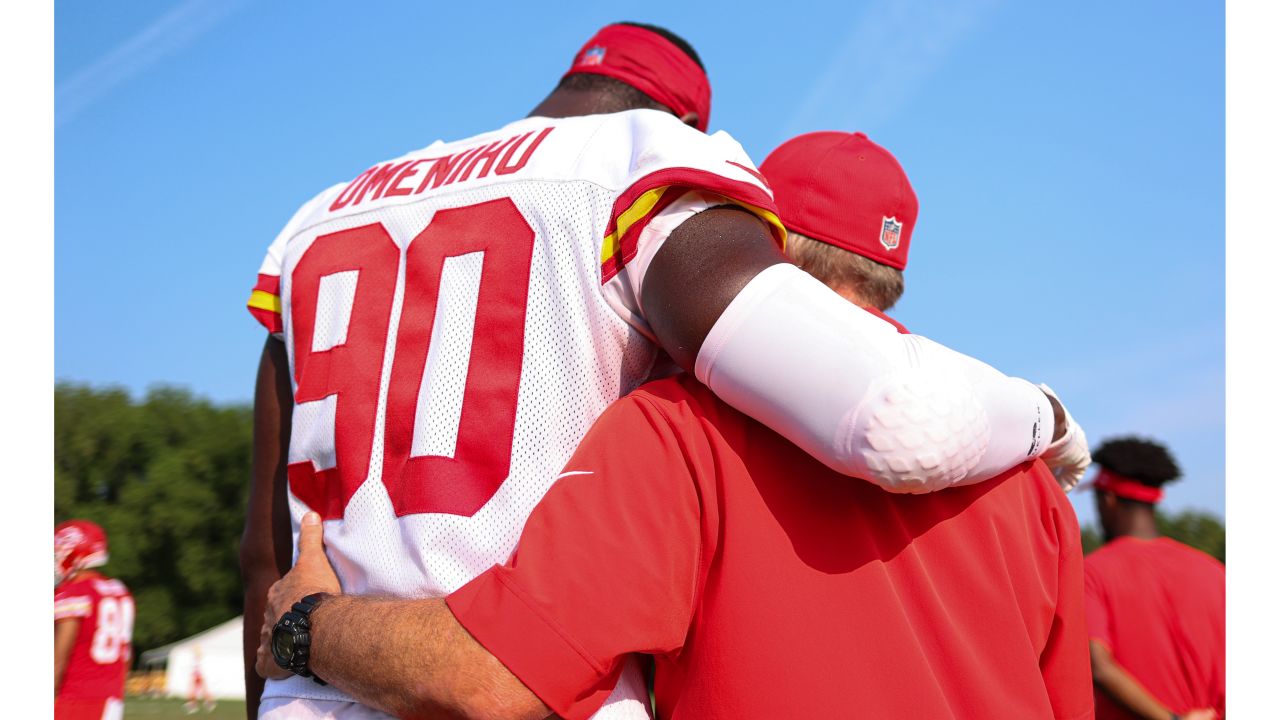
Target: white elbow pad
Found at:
x=899, y=410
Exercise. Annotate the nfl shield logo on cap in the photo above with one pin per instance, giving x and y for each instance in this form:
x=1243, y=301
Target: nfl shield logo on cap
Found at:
x=890, y=233
x=593, y=56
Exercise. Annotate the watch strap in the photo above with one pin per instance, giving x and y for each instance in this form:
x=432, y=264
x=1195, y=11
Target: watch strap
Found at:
x=301, y=611
x=308, y=603
x=304, y=607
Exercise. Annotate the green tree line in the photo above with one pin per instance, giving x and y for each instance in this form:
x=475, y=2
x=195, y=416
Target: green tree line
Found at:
x=166, y=476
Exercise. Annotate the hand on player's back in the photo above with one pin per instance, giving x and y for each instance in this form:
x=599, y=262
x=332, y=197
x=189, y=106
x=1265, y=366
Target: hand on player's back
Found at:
x=312, y=573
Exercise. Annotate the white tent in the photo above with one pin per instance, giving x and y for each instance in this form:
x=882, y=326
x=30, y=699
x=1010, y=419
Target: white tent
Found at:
x=216, y=652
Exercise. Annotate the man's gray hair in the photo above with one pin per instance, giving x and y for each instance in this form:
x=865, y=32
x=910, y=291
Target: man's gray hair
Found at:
x=875, y=283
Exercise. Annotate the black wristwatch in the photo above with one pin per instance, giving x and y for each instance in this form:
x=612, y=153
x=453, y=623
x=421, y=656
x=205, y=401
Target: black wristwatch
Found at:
x=291, y=637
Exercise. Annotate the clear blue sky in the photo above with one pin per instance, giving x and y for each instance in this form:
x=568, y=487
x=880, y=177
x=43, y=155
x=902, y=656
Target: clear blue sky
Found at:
x=1069, y=160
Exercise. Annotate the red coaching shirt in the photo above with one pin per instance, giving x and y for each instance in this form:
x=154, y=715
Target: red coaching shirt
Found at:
x=1160, y=607
x=766, y=585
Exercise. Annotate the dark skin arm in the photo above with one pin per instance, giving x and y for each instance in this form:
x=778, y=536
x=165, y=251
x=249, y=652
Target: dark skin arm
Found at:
x=1128, y=693
x=266, y=547
x=64, y=639
x=698, y=271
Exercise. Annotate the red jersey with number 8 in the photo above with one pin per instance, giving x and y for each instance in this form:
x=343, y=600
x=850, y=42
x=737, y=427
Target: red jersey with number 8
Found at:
x=104, y=645
x=458, y=317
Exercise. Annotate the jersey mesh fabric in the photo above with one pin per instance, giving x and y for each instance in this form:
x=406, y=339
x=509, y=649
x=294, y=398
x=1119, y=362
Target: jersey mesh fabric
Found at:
x=102, y=651
x=579, y=354
x=333, y=309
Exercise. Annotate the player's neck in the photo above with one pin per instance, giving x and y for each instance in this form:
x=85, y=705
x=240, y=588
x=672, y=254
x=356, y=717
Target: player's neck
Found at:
x=1139, y=523
x=565, y=103
x=854, y=295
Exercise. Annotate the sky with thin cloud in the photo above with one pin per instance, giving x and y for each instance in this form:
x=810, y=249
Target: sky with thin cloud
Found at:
x=1069, y=160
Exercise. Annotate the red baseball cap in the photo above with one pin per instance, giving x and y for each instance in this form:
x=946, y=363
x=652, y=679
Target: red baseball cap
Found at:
x=846, y=191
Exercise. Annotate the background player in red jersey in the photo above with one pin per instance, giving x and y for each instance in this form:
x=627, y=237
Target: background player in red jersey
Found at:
x=92, y=627
x=762, y=583
x=1156, y=608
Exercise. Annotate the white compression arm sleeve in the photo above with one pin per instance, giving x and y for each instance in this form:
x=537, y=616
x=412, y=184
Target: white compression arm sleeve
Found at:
x=899, y=410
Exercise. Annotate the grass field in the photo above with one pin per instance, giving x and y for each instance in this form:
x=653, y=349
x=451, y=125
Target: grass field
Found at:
x=136, y=708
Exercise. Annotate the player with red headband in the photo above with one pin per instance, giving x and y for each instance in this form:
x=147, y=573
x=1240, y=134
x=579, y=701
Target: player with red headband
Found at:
x=763, y=583
x=448, y=324
x=1156, y=608
x=92, y=627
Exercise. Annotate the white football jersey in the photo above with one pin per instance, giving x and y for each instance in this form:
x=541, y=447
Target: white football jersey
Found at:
x=457, y=318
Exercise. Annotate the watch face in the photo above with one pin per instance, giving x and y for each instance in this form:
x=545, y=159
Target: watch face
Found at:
x=282, y=646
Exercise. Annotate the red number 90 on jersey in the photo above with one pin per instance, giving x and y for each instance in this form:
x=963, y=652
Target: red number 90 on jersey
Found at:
x=449, y=348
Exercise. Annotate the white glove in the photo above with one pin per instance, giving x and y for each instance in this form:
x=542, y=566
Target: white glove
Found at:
x=1068, y=456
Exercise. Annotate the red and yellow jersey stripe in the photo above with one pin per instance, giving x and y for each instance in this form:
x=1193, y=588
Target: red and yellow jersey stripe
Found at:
x=264, y=303
x=649, y=196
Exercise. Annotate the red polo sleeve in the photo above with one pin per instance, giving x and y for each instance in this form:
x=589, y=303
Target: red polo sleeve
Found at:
x=1064, y=663
x=608, y=564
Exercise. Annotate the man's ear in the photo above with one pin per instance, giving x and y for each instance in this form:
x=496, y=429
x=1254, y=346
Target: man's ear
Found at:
x=1108, y=500
x=690, y=118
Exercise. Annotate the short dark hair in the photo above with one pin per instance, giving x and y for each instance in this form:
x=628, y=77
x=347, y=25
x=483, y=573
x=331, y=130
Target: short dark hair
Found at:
x=1146, y=461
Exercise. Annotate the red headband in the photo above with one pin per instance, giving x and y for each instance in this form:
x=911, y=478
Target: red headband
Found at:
x=1124, y=487
x=651, y=64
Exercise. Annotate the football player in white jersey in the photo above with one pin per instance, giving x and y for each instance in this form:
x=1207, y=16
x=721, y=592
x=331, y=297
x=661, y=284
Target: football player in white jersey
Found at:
x=446, y=326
